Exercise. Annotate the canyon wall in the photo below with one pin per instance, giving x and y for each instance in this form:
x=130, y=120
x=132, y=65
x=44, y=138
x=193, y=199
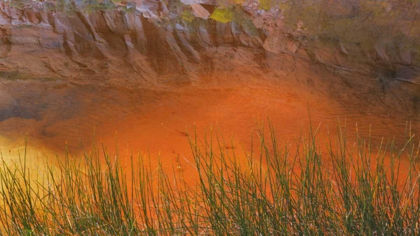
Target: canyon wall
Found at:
x=158, y=43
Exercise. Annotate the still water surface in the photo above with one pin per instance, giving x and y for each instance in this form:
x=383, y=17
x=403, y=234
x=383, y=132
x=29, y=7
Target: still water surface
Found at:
x=155, y=122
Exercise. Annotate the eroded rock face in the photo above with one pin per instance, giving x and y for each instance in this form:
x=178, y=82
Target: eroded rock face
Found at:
x=104, y=45
x=162, y=43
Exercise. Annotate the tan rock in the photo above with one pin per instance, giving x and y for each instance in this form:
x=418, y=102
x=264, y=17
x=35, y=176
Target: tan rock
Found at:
x=200, y=11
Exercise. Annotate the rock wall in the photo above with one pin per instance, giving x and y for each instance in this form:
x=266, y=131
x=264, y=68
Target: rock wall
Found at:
x=155, y=43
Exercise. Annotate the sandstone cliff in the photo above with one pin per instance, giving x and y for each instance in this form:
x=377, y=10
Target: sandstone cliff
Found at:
x=163, y=43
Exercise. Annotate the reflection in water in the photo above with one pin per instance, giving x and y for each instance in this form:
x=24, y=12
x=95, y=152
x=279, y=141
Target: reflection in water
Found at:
x=155, y=121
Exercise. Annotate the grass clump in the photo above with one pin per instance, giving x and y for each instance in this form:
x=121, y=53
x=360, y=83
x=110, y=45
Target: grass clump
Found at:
x=350, y=189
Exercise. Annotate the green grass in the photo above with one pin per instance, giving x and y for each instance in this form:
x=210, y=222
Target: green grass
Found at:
x=350, y=189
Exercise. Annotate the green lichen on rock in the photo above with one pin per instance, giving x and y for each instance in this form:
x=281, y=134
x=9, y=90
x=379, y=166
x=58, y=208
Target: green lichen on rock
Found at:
x=15, y=75
x=223, y=15
x=187, y=16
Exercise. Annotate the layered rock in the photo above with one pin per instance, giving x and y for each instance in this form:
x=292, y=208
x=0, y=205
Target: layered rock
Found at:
x=161, y=43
